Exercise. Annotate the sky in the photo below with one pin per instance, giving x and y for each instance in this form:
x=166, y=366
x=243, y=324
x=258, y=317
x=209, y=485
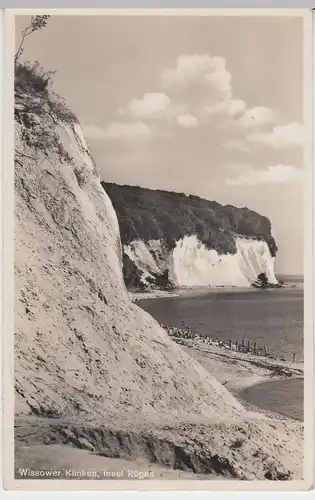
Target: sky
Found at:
x=206, y=105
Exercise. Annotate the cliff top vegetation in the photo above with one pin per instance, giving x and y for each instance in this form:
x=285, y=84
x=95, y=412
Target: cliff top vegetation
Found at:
x=164, y=215
x=38, y=108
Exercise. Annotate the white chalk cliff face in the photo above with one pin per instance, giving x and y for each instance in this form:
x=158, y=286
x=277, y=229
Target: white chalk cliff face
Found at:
x=80, y=345
x=191, y=264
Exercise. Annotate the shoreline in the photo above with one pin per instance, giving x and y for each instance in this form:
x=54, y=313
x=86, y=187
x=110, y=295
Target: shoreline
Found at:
x=237, y=371
x=196, y=290
x=152, y=294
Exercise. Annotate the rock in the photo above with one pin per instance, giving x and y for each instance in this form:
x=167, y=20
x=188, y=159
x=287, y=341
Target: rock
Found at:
x=278, y=473
x=84, y=444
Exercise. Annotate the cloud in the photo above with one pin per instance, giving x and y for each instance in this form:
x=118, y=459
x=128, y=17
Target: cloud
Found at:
x=198, y=68
x=187, y=120
x=151, y=106
x=256, y=116
x=196, y=90
x=118, y=130
x=206, y=85
x=201, y=69
x=282, y=136
x=278, y=174
x=202, y=83
x=198, y=86
x=230, y=107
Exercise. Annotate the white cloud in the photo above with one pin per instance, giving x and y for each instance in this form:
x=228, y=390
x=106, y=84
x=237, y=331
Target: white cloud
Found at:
x=151, y=105
x=201, y=69
x=230, y=107
x=205, y=82
x=197, y=90
x=278, y=174
x=282, y=136
x=187, y=120
x=256, y=116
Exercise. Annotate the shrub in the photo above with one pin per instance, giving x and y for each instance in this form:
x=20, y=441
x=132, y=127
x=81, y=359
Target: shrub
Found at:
x=33, y=85
x=31, y=78
x=38, y=109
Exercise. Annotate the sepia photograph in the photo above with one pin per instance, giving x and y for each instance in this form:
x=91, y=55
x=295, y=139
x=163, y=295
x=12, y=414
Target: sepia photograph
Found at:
x=161, y=317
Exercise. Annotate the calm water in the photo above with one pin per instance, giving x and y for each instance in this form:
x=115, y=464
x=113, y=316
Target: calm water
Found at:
x=271, y=317
x=280, y=396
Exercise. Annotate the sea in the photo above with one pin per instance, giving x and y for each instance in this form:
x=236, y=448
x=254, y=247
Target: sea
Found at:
x=273, y=318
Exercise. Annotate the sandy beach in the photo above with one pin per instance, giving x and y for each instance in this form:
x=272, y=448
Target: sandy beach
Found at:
x=237, y=370
x=153, y=294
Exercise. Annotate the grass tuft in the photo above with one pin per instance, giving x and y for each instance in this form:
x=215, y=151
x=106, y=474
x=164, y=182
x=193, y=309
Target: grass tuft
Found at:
x=39, y=110
x=31, y=80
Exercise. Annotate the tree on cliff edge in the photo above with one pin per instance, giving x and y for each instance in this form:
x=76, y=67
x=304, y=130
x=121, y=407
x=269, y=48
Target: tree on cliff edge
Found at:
x=37, y=23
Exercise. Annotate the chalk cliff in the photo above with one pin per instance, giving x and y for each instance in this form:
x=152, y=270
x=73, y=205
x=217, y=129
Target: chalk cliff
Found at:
x=81, y=345
x=170, y=239
x=90, y=363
